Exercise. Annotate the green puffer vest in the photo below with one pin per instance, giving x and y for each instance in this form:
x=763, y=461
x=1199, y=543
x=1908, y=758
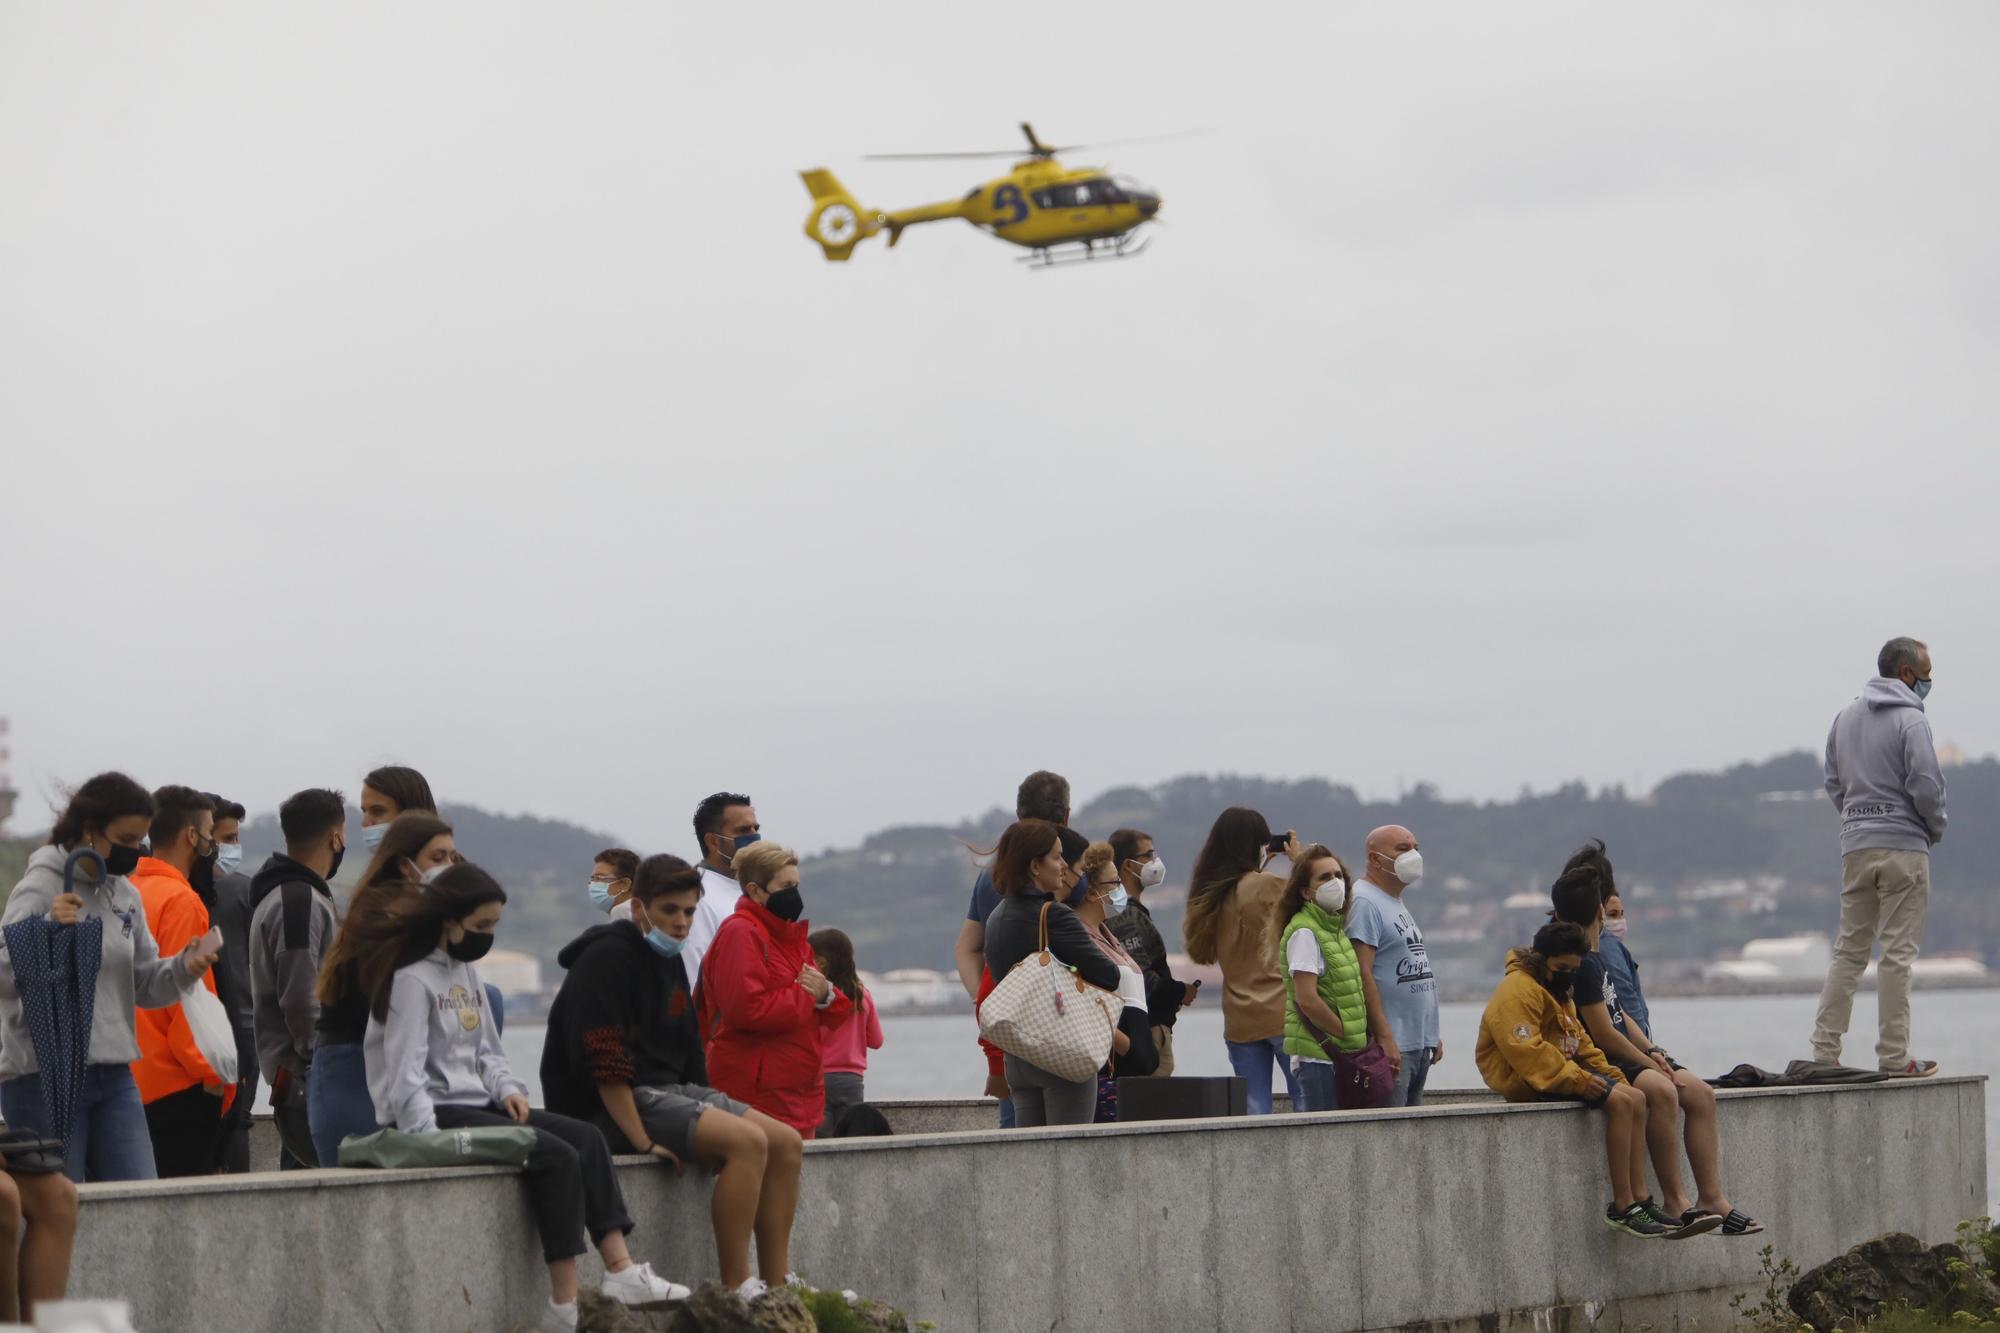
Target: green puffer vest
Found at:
x=1339, y=984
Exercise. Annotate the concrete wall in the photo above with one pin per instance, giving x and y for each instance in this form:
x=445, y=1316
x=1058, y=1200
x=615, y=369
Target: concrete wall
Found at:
x=1361, y=1220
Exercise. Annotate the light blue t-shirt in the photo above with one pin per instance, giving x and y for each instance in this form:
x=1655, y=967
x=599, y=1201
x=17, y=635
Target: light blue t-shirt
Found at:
x=1402, y=965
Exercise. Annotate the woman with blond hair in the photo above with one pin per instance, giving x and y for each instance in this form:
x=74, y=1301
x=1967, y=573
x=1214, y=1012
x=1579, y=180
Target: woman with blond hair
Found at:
x=763, y=1004
x=1133, y=1054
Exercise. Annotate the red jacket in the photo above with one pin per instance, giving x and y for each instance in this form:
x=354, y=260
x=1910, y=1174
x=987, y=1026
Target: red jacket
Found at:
x=762, y=1028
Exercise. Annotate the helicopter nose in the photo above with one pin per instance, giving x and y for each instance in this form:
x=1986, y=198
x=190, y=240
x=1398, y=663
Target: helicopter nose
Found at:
x=1149, y=204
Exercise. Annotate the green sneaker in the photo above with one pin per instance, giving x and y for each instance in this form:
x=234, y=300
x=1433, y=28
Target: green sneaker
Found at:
x=1634, y=1221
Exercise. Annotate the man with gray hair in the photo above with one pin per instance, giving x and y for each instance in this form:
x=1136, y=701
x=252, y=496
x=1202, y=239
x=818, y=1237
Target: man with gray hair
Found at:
x=1882, y=772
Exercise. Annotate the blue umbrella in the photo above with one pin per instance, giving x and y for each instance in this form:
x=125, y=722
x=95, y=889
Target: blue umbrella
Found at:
x=55, y=971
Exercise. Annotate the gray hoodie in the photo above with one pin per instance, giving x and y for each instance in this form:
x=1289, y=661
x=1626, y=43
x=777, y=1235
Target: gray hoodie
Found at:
x=1882, y=771
x=438, y=1047
x=132, y=973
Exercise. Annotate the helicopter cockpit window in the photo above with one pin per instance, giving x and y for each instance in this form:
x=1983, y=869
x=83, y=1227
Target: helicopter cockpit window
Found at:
x=1080, y=194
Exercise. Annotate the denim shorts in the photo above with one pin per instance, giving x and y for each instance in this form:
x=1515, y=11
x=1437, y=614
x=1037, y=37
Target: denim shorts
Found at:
x=669, y=1115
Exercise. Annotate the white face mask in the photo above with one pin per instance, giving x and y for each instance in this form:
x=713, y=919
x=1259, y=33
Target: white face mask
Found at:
x=1616, y=925
x=1153, y=874
x=1409, y=867
x=1329, y=896
x=434, y=872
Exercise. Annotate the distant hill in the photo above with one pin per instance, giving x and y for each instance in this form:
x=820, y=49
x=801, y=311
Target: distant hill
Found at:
x=902, y=893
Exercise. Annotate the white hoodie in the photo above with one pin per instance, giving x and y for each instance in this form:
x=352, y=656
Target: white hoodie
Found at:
x=438, y=1046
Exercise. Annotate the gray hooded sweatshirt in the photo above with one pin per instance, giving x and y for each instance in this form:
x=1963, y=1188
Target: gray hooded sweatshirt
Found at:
x=1882, y=771
x=438, y=1046
x=132, y=973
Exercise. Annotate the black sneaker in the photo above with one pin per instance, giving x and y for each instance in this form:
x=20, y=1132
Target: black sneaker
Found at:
x=1680, y=1226
x=1634, y=1221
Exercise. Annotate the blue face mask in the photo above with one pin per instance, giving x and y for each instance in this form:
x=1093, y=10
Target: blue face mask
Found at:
x=228, y=856
x=600, y=895
x=665, y=945
x=1923, y=688
x=371, y=837
x=1118, y=899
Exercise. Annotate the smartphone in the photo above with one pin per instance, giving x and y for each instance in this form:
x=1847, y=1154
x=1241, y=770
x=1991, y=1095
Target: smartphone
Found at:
x=1277, y=842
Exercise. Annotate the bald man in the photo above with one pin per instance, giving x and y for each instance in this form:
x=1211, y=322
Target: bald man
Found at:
x=1395, y=967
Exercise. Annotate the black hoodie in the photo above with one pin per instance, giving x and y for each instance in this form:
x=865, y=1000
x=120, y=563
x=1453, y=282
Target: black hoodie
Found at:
x=624, y=1015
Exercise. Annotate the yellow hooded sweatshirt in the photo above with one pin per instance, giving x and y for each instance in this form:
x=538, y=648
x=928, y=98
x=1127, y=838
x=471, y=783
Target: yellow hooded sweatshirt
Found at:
x=1531, y=1045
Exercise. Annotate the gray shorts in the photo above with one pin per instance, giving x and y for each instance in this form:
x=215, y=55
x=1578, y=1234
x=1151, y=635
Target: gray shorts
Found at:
x=669, y=1115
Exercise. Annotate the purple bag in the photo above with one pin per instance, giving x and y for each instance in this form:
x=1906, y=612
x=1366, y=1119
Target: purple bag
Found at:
x=1363, y=1079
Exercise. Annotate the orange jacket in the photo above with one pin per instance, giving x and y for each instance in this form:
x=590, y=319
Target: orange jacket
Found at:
x=169, y=1061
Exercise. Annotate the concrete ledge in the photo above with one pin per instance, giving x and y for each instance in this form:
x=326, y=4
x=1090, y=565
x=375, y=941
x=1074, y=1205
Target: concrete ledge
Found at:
x=1476, y=1215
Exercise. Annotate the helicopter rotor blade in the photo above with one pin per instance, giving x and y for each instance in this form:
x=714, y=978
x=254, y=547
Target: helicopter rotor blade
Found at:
x=940, y=157
x=1143, y=139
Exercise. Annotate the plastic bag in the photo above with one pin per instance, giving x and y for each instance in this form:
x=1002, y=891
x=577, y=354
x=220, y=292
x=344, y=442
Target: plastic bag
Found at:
x=213, y=1036
x=481, y=1145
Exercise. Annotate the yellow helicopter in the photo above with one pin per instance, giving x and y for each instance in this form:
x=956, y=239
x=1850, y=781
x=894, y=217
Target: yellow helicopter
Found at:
x=1059, y=214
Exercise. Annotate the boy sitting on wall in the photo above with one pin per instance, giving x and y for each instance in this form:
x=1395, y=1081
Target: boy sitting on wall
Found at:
x=1532, y=1048
x=623, y=1053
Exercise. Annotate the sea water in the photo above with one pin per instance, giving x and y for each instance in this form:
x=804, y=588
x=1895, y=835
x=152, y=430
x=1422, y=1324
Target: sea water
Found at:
x=936, y=1055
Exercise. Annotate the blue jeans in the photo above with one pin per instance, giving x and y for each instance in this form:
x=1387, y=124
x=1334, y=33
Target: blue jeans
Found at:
x=1006, y=1113
x=108, y=1139
x=1319, y=1090
x=1409, y=1086
x=337, y=1100
x=1252, y=1062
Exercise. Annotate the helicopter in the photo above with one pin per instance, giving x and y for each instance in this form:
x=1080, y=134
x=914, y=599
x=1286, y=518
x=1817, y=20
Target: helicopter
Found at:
x=1058, y=214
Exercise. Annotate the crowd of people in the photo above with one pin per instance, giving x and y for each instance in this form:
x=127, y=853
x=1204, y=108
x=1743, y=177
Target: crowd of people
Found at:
x=703, y=1022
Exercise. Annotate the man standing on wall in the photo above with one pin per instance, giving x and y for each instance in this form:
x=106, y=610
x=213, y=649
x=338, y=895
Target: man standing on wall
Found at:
x=1395, y=965
x=1883, y=775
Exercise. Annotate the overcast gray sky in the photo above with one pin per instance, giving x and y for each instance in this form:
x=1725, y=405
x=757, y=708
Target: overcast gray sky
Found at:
x=1515, y=394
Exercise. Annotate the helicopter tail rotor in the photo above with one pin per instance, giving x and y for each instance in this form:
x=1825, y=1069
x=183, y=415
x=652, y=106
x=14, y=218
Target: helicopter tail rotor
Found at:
x=837, y=222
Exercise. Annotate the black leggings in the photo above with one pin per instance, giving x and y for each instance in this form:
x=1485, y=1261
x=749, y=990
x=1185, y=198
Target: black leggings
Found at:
x=570, y=1181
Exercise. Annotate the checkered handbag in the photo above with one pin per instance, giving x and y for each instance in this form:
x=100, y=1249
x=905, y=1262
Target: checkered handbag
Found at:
x=1045, y=1014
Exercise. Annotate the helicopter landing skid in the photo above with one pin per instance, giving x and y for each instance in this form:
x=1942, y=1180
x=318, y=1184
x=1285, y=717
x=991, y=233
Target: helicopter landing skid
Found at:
x=1086, y=252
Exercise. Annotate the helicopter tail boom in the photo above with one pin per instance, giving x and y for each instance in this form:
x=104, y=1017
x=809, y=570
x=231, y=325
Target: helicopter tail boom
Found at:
x=837, y=222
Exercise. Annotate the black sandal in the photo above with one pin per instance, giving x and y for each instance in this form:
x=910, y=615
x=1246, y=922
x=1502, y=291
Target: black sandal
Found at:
x=1736, y=1224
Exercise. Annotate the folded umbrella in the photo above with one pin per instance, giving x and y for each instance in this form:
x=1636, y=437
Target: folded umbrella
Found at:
x=55, y=971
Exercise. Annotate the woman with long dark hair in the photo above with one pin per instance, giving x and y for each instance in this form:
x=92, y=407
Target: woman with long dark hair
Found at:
x=843, y=1051
x=1232, y=917
x=388, y=793
x=416, y=847
x=1030, y=873
x=110, y=815
x=435, y=1062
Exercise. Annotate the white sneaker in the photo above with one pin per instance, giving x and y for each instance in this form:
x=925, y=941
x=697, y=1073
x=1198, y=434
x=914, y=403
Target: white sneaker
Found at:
x=796, y=1282
x=752, y=1288
x=559, y=1318
x=640, y=1285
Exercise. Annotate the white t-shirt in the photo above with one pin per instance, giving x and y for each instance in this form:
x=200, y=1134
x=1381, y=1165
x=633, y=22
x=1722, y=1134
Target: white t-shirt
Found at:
x=1132, y=987
x=1303, y=954
x=621, y=911
x=719, y=896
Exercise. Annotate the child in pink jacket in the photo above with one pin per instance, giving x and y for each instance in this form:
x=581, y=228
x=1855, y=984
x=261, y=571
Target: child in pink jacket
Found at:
x=843, y=1051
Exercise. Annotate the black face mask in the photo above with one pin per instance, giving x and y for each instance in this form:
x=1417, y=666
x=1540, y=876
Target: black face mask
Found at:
x=338, y=852
x=1560, y=984
x=472, y=948
x=786, y=904
x=123, y=860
